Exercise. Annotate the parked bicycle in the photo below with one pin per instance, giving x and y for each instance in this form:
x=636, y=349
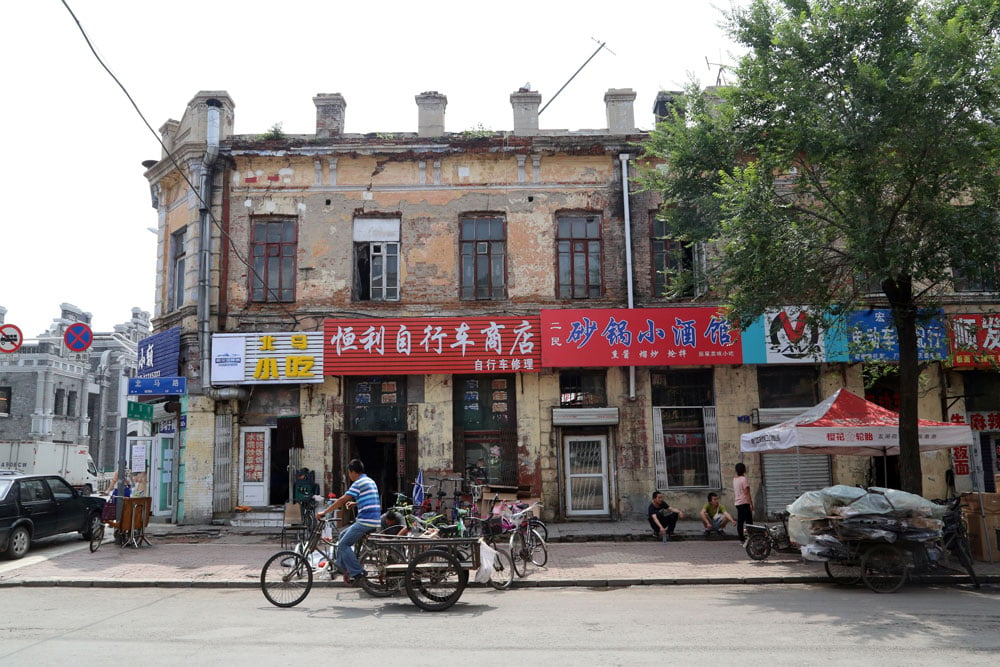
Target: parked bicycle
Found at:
x=526, y=543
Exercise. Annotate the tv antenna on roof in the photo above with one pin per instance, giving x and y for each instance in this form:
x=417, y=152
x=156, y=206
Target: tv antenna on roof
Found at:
x=720, y=76
x=601, y=45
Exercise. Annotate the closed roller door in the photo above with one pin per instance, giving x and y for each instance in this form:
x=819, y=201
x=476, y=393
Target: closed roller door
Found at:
x=788, y=476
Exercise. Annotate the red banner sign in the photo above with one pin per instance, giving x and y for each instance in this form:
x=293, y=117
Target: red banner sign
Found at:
x=639, y=337
x=975, y=339
x=432, y=345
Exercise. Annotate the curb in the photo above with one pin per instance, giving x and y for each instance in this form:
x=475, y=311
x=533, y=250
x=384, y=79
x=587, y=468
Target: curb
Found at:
x=523, y=583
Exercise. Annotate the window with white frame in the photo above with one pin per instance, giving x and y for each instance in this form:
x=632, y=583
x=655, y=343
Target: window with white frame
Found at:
x=376, y=259
x=685, y=429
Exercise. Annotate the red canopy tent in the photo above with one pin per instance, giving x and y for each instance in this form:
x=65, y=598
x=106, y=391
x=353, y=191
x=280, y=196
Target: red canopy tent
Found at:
x=848, y=424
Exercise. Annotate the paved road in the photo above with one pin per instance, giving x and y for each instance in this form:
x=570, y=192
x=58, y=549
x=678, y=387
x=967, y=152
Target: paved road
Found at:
x=639, y=625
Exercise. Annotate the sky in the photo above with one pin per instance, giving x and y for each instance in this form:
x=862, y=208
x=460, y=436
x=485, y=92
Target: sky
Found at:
x=77, y=217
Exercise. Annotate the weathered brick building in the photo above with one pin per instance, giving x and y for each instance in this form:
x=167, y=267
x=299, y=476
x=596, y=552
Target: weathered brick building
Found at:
x=433, y=299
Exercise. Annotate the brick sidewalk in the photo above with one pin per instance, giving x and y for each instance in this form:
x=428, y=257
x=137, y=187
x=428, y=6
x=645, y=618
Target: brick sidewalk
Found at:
x=235, y=560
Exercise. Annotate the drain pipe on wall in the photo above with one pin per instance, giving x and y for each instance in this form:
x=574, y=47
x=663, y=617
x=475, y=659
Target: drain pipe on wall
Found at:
x=205, y=244
x=627, y=213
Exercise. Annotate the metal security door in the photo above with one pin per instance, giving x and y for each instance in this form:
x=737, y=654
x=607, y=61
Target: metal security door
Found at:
x=255, y=466
x=586, y=475
x=163, y=475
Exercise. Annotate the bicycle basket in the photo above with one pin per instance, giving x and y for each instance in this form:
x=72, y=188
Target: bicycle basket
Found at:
x=493, y=526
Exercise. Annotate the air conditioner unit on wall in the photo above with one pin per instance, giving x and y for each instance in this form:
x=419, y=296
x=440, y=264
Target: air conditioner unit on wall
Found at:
x=772, y=416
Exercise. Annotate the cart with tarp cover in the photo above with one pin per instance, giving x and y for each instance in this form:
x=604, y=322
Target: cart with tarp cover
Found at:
x=877, y=536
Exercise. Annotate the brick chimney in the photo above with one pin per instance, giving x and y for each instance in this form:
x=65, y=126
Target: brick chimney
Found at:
x=621, y=117
x=430, y=118
x=330, y=110
x=525, y=104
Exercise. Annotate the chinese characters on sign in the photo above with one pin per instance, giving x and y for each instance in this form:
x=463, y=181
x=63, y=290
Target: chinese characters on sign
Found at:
x=873, y=337
x=159, y=354
x=267, y=358
x=975, y=339
x=432, y=345
x=638, y=337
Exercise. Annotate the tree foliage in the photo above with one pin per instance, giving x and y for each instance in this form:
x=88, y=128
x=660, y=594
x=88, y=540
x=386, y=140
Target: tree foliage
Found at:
x=859, y=146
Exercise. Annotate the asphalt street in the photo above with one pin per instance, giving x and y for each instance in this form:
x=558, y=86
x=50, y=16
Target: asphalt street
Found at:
x=637, y=625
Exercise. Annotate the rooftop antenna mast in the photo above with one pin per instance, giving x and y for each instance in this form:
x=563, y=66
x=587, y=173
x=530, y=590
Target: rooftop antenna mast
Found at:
x=720, y=77
x=601, y=45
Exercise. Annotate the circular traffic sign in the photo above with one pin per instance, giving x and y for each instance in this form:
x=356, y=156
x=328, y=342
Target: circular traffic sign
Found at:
x=10, y=338
x=78, y=337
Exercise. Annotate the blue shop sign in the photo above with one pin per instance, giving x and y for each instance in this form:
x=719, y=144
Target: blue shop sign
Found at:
x=872, y=336
x=160, y=354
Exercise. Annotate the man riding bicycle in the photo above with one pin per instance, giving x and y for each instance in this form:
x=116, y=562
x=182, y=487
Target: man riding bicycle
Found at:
x=364, y=494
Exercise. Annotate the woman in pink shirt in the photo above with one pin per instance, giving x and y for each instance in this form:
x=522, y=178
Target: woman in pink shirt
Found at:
x=744, y=503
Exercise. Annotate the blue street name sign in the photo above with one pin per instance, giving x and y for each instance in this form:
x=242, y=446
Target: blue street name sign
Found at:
x=164, y=386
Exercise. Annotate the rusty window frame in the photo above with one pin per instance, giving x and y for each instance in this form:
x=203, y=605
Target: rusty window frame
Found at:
x=273, y=257
x=483, y=257
x=579, y=257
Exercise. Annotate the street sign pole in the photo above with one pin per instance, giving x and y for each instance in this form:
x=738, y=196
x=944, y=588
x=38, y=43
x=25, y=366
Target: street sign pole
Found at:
x=122, y=444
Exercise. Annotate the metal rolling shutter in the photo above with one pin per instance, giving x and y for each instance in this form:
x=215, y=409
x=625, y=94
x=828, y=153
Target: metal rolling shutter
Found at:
x=782, y=475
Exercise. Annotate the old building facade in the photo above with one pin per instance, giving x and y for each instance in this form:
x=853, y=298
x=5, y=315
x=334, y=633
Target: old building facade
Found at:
x=438, y=300
x=49, y=393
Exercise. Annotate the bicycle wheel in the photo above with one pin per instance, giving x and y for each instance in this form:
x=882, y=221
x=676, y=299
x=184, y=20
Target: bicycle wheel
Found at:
x=883, y=568
x=539, y=553
x=964, y=553
x=96, y=537
x=286, y=579
x=758, y=546
x=473, y=526
x=377, y=582
x=540, y=526
x=503, y=571
x=433, y=580
x=843, y=572
x=519, y=553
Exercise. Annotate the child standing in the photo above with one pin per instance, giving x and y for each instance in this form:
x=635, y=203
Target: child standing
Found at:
x=744, y=503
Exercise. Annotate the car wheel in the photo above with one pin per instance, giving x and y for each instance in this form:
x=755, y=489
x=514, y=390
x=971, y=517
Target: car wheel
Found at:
x=88, y=490
x=20, y=542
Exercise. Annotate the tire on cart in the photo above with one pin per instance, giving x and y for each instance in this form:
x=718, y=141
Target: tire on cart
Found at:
x=377, y=582
x=883, y=568
x=434, y=580
x=843, y=572
x=758, y=546
x=286, y=579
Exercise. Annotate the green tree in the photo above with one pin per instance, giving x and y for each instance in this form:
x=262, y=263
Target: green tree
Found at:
x=858, y=146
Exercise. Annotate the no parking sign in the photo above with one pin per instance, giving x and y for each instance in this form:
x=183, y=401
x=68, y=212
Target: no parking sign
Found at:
x=78, y=337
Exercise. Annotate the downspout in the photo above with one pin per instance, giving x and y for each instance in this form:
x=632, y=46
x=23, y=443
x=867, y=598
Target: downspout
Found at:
x=627, y=213
x=205, y=244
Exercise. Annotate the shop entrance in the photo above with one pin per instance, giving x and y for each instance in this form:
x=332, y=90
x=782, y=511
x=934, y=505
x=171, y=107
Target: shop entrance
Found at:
x=384, y=458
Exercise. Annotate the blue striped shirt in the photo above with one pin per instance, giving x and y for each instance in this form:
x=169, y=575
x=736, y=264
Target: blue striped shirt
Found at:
x=365, y=493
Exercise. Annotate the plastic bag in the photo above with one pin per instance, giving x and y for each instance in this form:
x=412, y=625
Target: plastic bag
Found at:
x=487, y=555
x=327, y=531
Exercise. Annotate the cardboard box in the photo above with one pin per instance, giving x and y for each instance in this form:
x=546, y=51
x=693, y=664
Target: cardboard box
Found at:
x=983, y=537
x=990, y=502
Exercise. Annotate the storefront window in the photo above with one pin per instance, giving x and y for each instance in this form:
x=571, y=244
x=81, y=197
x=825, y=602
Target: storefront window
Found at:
x=377, y=403
x=787, y=386
x=684, y=423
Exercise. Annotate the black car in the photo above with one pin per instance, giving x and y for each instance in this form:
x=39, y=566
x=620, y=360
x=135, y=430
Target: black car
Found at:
x=37, y=506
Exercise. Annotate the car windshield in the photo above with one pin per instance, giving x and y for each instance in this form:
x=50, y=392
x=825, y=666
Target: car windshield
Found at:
x=5, y=485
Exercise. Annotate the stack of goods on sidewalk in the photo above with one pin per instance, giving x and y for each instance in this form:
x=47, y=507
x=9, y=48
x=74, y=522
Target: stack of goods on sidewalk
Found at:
x=982, y=514
x=824, y=523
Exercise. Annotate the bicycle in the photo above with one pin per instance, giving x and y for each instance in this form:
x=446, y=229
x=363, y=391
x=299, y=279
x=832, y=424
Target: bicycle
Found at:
x=526, y=543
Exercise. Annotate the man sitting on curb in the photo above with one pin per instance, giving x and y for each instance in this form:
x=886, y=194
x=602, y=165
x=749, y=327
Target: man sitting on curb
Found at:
x=714, y=516
x=662, y=518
